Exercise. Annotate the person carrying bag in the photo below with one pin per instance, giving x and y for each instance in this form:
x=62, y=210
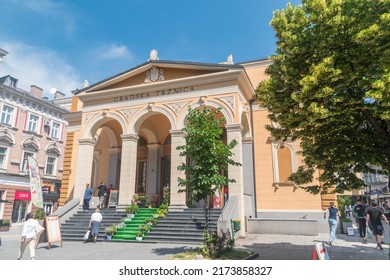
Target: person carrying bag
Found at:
x=30, y=236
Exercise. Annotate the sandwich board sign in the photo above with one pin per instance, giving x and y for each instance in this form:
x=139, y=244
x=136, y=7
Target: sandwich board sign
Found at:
x=113, y=199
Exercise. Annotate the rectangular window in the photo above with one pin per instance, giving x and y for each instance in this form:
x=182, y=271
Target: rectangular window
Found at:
x=50, y=165
x=6, y=115
x=55, y=131
x=3, y=153
x=25, y=162
x=33, y=123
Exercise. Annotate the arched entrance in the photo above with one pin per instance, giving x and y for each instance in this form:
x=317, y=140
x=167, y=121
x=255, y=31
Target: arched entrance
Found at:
x=153, y=156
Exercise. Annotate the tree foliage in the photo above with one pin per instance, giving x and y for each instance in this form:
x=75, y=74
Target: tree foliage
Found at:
x=329, y=88
x=208, y=155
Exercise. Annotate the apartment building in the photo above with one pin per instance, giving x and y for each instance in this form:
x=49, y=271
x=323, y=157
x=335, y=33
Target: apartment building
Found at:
x=30, y=125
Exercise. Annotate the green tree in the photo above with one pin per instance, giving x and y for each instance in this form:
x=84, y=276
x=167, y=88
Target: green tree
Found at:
x=208, y=156
x=329, y=88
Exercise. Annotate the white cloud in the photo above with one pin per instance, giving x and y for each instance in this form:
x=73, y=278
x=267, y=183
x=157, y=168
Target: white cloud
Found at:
x=44, y=68
x=113, y=51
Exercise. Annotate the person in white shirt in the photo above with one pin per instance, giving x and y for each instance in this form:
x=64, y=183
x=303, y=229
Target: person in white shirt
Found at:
x=29, y=236
x=94, y=224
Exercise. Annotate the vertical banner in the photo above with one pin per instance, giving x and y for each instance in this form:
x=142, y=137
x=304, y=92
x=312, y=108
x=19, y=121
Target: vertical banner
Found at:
x=35, y=183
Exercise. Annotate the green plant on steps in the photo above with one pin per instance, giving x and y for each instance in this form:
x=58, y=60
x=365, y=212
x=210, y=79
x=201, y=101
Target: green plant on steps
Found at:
x=140, y=200
x=6, y=222
x=131, y=208
x=110, y=230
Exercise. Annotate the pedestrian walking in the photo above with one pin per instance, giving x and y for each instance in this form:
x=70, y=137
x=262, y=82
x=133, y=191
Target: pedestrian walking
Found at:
x=102, y=194
x=29, y=236
x=359, y=212
x=87, y=196
x=333, y=214
x=94, y=224
x=109, y=189
x=374, y=216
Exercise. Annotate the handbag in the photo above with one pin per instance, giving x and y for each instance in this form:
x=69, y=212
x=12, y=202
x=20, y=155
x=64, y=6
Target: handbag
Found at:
x=39, y=229
x=86, y=235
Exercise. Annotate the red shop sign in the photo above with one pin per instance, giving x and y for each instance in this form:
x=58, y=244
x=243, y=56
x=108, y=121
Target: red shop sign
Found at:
x=22, y=195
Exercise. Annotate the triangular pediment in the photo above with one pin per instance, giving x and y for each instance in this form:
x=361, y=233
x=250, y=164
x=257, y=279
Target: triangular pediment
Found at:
x=157, y=72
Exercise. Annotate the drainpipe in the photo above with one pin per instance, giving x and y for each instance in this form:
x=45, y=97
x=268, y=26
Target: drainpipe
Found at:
x=253, y=156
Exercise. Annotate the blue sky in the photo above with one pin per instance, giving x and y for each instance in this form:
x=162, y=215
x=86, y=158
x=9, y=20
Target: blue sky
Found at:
x=59, y=44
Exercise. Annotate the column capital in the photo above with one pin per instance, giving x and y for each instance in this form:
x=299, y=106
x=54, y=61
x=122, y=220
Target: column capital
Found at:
x=130, y=137
x=247, y=140
x=153, y=147
x=177, y=133
x=234, y=127
x=87, y=142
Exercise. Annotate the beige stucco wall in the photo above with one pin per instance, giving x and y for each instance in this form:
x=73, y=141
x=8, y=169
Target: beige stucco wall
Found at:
x=268, y=197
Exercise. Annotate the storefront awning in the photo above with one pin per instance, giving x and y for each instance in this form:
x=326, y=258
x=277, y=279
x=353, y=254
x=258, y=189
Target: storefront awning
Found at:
x=22, y=195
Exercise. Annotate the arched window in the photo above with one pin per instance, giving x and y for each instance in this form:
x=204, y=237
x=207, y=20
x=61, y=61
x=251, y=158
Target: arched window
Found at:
x=284, y=162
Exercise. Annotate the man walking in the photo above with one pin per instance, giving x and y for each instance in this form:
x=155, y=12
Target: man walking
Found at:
x=87, y=196
x=359, y=211
x=374, y=214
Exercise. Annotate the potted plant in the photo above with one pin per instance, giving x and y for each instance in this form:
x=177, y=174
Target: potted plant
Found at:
x=140, y=200
x=138, y=236
x=110, y=231
x=122, y=224
x=346, y=222
x=5, y=224
x=131, y=209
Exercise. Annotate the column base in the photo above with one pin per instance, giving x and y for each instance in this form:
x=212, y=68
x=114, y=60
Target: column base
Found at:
x=177, y=207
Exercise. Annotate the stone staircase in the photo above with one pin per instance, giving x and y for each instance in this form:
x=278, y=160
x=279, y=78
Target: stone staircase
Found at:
x=75, y=227
x=176, y=227
x=183, y=227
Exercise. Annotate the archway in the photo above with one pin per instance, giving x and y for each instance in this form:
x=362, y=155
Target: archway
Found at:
x=152, y=155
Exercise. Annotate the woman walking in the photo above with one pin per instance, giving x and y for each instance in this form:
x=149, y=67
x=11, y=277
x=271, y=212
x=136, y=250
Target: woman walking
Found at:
x=94, y=224
x=29, y=236
x=333, y=214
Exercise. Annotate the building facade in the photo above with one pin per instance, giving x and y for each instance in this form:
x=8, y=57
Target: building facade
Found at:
x=125, y=129
x=30, y=125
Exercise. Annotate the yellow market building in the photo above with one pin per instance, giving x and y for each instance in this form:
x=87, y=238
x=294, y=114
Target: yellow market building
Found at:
x=124, y=131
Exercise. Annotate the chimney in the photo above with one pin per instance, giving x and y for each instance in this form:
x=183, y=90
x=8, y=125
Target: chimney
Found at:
x=36, y=91
x=59, y=95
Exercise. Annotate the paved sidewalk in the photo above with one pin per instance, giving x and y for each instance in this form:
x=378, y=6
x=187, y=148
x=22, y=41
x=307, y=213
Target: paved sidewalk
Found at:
x=293, y=247
x=269, y=247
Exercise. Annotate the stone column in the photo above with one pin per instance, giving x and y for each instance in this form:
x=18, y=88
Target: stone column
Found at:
x=128, y=168
x=84, y=167
x=113, y=167
x=177, y=200
x=152, y=166
x=234, y=131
